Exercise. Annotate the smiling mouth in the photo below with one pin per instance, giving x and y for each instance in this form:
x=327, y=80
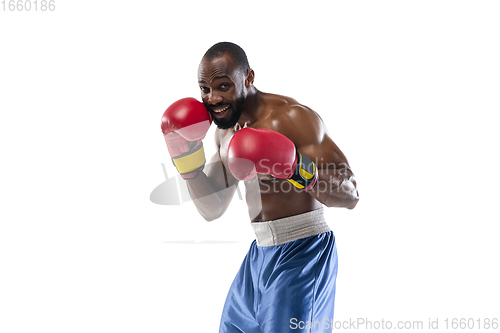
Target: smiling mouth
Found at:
x=221, y=109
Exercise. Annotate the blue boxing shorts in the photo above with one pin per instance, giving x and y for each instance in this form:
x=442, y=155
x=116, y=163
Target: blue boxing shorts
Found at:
x=287, y=280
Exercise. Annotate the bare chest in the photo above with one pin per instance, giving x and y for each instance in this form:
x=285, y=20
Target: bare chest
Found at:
x=224, y=144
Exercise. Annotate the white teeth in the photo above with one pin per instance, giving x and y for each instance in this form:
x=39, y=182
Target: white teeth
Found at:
x=222, y=110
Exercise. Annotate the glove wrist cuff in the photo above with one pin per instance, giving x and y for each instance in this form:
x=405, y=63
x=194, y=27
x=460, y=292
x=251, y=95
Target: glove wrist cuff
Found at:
x=193, y=160
x=305, y=175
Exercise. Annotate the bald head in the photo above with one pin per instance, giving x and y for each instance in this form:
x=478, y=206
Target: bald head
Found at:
x=235, y=52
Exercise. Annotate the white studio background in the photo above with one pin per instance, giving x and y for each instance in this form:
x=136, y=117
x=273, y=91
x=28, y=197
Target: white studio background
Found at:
x=407, y=89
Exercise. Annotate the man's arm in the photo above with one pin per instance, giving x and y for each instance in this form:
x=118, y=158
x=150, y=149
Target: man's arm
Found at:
x=212, y=189
x=184, y=125
x=336, y=186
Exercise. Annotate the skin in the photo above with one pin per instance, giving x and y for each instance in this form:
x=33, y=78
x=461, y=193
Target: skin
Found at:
x=223, y=85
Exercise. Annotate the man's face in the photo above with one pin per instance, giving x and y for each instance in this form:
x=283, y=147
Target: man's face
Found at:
x=222, y=90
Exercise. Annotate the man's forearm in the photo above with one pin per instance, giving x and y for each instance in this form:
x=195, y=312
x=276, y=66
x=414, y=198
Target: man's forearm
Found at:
x=336, y=188
x=210, y=201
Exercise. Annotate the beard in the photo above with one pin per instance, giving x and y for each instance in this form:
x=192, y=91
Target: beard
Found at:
x=228, y=123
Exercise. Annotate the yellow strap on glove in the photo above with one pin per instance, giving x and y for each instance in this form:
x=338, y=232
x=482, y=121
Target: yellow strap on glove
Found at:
x=191, y=160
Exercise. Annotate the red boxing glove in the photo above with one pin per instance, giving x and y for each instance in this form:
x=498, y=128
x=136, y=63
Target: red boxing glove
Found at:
x=184, y=124
x=260, y=150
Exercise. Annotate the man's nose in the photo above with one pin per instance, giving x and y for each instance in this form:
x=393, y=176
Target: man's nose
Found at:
x=214, y=98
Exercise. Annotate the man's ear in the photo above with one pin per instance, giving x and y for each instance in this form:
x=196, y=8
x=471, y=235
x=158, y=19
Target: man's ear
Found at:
x=249, y=78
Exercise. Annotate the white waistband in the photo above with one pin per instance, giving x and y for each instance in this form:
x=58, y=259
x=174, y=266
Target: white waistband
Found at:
x=291, y=228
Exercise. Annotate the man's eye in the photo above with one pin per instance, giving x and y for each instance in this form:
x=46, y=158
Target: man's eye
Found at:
x=224, y=86
x=204, y=89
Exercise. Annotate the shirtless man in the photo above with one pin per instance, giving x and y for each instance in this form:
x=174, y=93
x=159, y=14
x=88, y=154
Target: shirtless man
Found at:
x=287, y=280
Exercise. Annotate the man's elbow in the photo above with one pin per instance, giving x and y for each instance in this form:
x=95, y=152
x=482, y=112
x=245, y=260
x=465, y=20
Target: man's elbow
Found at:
x=212, y=214
x=347, y=201
x=353, y=199
x=210, y=218
x=352, y=203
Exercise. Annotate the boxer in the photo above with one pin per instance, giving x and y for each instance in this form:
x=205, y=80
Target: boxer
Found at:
x=291, y=168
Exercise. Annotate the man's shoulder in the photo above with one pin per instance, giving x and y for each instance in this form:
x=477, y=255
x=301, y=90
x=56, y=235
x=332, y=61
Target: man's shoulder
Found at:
x=294, y=120
x=278, y=104
x=288, y=109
